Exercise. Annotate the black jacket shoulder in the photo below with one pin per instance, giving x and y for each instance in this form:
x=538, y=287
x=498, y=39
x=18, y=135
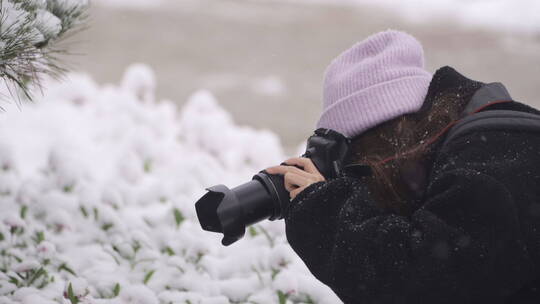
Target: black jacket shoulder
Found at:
x=474, y=239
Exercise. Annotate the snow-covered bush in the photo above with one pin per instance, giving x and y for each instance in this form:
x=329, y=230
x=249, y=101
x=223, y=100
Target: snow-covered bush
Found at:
x=97, y=192
x=28, y=32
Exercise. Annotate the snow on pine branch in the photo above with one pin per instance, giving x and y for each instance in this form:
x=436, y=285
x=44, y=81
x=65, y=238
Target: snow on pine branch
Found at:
x=29, y=31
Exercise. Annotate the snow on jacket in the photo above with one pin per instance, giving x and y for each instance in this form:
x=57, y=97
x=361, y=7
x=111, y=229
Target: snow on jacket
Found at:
x=474, y=239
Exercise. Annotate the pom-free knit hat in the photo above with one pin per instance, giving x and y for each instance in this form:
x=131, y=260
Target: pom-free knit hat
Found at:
x=378, y=79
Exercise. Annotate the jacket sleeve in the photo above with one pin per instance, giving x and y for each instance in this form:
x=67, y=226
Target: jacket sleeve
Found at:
x=462, y=245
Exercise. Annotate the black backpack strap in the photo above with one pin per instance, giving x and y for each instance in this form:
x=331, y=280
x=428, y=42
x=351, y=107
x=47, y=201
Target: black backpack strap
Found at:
x=488, y=94
x=473, y=119
x=494, y=120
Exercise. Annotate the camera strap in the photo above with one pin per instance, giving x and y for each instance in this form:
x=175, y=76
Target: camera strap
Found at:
x=475, y=119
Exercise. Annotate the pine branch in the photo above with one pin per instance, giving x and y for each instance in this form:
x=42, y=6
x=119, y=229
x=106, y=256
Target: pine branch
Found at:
x=29, y=33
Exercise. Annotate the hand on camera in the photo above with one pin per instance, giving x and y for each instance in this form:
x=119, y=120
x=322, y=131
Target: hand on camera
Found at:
x=297, y=178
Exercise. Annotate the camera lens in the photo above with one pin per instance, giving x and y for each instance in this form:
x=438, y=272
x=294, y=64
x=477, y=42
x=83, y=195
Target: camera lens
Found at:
x=229, y=211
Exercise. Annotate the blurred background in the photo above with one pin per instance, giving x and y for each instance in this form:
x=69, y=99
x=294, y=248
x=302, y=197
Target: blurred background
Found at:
x=98, y=182
x=265, y=60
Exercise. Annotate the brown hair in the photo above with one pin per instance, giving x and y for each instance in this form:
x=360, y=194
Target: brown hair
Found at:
x=399, y=153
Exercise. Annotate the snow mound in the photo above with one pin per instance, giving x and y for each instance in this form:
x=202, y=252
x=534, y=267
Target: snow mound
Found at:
x=97, y=192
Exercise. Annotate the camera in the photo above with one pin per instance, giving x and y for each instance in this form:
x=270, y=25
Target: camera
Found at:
x=229, y=211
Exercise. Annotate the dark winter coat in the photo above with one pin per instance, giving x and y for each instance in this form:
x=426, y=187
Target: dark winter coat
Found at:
x=474, y=239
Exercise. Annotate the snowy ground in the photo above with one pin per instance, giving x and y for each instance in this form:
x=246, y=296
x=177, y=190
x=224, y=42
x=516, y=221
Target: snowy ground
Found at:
x=523, y=15
x=97, y=192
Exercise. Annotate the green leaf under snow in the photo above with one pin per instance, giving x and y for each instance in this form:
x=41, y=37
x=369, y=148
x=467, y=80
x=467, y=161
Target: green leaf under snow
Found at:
x=83, y=211
x=107, y=226
x=136, y=246
x=116, y=290
x=309, y=300
x=68, y=188
x=178, y=217
x=169, y=251
x=96, y=214
x=148, y=276
x=39, y=237
x=71, y=295
x=267, y=235
x=275, y=273
x=65, y=267
x=36, y=275
x=252, y=231
x=24, y=210
x=147, y=165
x=282, y=297
x=13, y=280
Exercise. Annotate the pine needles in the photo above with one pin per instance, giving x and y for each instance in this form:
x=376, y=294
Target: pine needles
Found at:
x=29, y=33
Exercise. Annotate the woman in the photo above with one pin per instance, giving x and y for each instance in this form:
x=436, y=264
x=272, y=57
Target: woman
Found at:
x=434, y=223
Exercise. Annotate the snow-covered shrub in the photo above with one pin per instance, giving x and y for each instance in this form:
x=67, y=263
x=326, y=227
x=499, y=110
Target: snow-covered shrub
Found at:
x=97, y=192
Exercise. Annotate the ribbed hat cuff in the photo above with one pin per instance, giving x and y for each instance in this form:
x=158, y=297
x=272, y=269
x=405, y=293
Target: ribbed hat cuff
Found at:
x=353, y=114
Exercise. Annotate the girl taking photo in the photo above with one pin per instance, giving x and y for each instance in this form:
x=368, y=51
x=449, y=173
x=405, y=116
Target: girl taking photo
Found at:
x=444, y=216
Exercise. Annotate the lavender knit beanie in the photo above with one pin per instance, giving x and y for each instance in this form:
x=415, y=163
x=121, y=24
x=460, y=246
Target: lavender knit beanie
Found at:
x=378, y=79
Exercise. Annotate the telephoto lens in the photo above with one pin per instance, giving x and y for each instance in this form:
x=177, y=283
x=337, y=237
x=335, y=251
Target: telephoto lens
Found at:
x=229, y=211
